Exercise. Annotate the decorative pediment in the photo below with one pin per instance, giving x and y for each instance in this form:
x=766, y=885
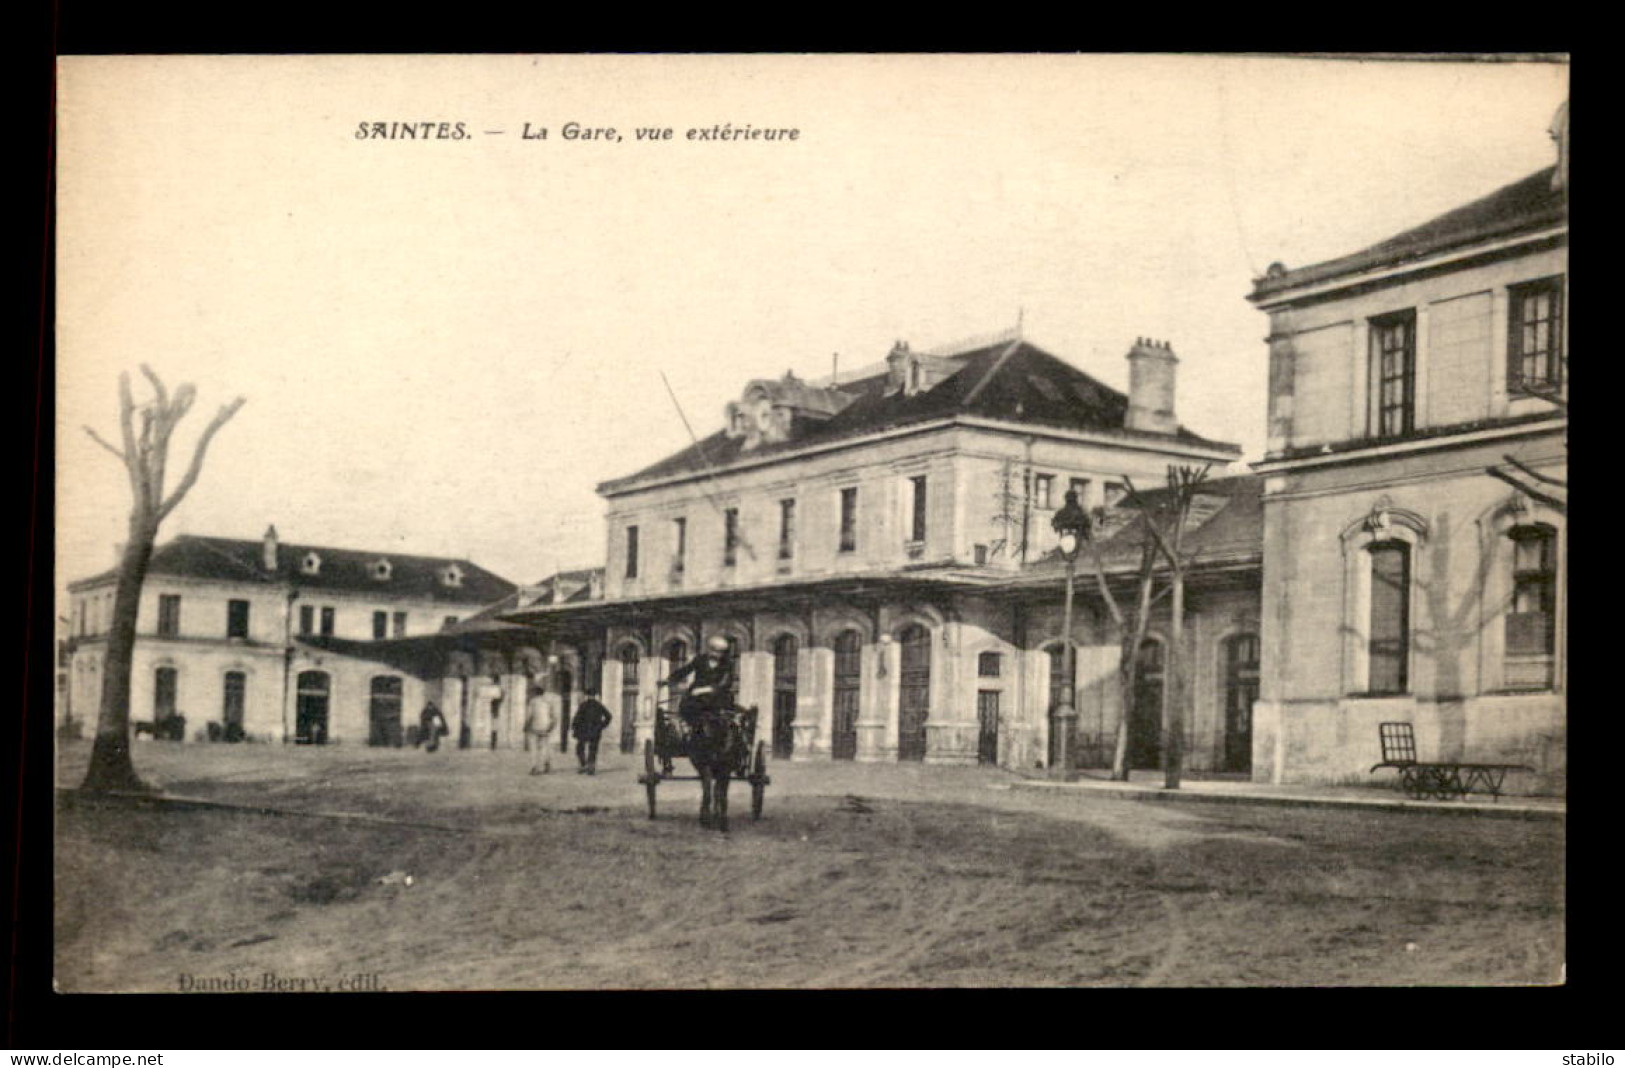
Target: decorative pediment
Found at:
x=769, y=409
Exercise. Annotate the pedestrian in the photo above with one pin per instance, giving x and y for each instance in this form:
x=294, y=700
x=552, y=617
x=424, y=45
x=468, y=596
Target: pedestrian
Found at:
x=541, y=717
x=591, y=719
x=431, y=727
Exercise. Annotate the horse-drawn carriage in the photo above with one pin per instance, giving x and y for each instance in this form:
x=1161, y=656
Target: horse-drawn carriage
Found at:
x=722, y=746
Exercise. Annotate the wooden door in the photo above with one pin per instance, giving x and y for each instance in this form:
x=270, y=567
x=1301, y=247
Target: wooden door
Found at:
x=231, y=712
x=784, y=696
x=384, y=711
x=1145, y=725
x=1240, y=691
x=987, y=721
x=310, y=724
x=914, y=706
x=629, y=697
x=848, y=690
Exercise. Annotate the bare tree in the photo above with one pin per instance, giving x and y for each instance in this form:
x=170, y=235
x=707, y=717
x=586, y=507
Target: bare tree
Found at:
x=1166, y=527
x=146, y=432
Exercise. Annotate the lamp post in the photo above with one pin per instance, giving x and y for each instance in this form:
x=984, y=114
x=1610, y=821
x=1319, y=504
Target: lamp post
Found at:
x=1071, y=523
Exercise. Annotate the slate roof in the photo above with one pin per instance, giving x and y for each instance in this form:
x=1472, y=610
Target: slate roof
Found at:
x=580, y=585
x=350, y=570
x=1014, y=381
x=1527, y=205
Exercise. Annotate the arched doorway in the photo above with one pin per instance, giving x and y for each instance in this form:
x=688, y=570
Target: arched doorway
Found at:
x=1240, y=691
x=843, y=740
x=1145, y=725
x=310, y=722
x=784, y=695
x=384, y=711
x=566, y=684
x=233, y=695
x=630, y=659
x=914, y=679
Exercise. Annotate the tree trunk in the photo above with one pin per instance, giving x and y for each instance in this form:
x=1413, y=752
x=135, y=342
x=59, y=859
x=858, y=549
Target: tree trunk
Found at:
x=110, y=765
x=1128, y=672
x=1173, y=749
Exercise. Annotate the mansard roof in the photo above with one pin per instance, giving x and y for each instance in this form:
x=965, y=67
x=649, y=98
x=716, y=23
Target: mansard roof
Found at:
x=1528, y=205
x=235, y=560
x=1012, y=380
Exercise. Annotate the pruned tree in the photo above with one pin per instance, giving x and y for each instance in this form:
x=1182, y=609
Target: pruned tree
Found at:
x=146, y=430
x=1166, y=527
x=1161, y=525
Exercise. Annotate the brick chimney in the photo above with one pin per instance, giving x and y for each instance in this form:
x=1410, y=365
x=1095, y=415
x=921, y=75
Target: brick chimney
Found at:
x=268, y=550
x=1151, y=369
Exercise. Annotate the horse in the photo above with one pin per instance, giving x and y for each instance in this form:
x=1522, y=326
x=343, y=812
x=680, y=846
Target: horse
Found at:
x=718, y=747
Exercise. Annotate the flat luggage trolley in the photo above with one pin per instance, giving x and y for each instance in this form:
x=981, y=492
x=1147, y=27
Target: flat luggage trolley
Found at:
x=669, y=744
x=1441, y=780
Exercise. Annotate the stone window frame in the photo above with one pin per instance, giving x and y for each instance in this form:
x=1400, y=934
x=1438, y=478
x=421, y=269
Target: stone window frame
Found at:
x=1495, y=543
x=1383, y=523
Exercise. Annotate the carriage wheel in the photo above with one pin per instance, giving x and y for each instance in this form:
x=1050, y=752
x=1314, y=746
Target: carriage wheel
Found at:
x=758, y=781
x=650, y=779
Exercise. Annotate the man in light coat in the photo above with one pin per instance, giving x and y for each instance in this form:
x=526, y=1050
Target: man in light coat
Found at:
x=541, y=720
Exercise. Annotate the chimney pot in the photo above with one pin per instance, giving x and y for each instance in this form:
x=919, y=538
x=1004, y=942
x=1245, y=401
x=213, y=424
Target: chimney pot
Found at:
x=1152, y=369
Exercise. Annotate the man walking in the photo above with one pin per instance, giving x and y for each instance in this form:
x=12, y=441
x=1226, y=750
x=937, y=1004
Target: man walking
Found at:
x=541, y=717
x=591, y=719
x=431, y=727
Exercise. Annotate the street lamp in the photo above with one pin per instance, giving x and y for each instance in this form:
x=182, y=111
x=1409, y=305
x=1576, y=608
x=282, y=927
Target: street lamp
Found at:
x=1071, y=523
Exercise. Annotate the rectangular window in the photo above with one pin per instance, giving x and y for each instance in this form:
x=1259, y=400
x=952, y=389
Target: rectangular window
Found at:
x=327, y=622
x=787, y=529
x=1531, y=622
x=399, y=621
x=307, y=619
x=1390, y=617
x=917, y=527
x=380, y=625
x=631, y=552
x=730, y=537
x=679, y=550
x=1393, y=357
x=1044, y=491
x=849, y=519
x=237, y=619
x=1080, y=486
x=1535, y=336
x=169, y=614
x=988, y=665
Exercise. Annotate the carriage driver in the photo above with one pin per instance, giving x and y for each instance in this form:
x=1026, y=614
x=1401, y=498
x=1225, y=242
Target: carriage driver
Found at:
x=712, y=688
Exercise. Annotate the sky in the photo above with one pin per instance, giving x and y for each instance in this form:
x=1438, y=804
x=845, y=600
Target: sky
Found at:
x=445, y=345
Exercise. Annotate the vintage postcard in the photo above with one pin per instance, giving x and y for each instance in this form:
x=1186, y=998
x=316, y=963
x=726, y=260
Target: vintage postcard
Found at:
x=601, y=522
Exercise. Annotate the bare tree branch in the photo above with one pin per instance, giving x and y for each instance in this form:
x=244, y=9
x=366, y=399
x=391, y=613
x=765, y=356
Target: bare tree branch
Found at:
x=98, y=439
x=157, y=387
x=1537, y=494
x=220, y=419
x=1532, y=473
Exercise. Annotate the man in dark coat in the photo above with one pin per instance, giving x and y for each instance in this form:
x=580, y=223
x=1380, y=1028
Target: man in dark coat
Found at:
x=431, y=727
x=588, y=726
x=712, y=688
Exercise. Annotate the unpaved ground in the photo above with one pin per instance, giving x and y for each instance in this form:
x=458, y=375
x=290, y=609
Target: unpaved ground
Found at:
x=859, y=876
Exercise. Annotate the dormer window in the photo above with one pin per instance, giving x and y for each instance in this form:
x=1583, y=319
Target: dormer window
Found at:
x=452, y=576
x=311, y=564
x=381, y=570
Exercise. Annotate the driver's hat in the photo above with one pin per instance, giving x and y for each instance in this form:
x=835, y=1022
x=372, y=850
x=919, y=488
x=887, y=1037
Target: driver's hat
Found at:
x=718, y=643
